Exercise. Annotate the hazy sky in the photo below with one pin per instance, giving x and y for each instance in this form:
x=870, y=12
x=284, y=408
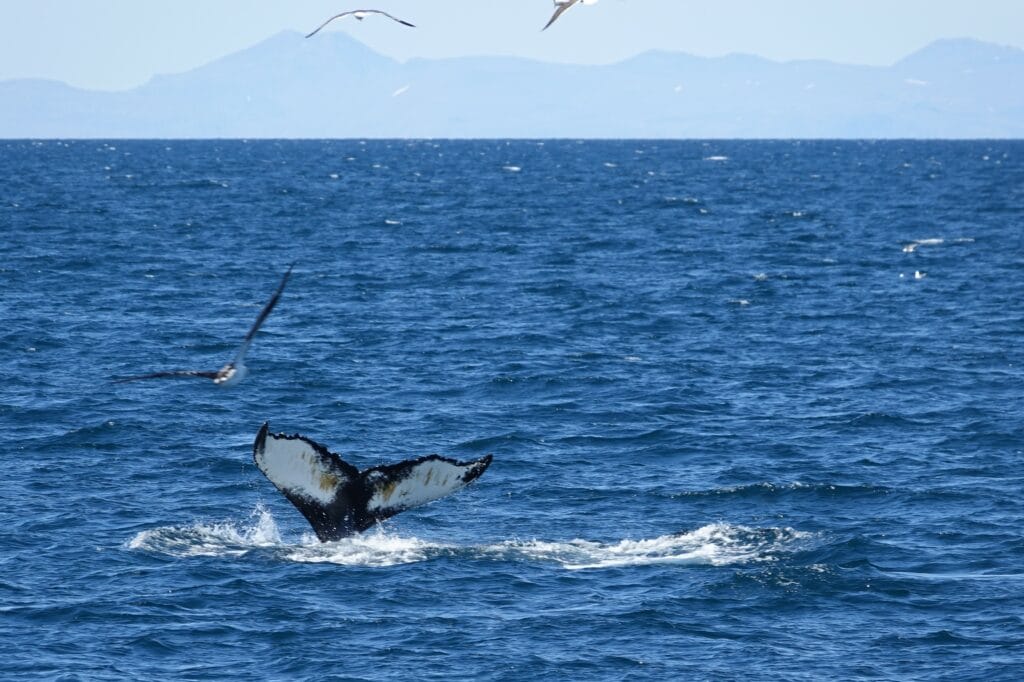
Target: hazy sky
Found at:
x=114, y=44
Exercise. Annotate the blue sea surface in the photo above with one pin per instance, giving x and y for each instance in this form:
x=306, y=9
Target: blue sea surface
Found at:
x=755, y=408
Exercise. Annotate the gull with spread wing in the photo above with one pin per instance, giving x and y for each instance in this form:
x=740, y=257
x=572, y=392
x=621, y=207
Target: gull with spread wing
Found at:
x=360, y=14
x=234, y=371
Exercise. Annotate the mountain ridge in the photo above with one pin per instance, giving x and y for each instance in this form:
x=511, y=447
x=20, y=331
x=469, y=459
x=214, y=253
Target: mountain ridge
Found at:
x=335, y=86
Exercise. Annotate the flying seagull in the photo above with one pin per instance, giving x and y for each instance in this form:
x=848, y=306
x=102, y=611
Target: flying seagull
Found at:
x=234, y=371
x=561, y=6
x=360, y=14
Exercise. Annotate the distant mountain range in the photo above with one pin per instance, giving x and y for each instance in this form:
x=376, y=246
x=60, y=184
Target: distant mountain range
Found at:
x=334, y=86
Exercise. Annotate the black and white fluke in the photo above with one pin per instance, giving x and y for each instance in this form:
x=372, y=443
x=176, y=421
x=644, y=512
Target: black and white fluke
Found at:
x=337, y=499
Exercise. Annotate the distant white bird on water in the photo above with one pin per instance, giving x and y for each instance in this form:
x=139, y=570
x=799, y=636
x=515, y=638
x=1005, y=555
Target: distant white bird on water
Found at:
x=561, y=6
x=234, y=371
x=360, y=14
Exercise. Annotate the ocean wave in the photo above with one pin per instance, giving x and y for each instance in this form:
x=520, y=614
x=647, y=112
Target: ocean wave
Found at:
x=871, y=420
x=767, y=489
x=959, y=576
x=203, y=183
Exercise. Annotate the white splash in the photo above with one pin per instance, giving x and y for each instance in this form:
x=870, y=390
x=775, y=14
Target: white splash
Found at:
x=375, y=549
x=717, y=544
x=211, y=539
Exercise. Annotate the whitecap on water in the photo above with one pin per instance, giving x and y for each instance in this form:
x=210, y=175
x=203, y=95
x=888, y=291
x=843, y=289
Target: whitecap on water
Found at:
x=936, y=241
x=913, y=246
x=716, y=158
x=512, y=169
x=717, y=544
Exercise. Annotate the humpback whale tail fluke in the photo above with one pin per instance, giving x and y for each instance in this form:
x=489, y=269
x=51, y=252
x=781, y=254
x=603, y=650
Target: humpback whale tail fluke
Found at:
x=337, y=499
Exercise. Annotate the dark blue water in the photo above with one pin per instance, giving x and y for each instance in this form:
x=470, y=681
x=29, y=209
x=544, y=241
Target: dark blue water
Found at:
x=755, y=408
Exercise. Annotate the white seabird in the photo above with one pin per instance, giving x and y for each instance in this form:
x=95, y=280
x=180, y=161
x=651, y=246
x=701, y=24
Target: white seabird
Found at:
x=360, y=14
x=562, y=5
x=234, y=371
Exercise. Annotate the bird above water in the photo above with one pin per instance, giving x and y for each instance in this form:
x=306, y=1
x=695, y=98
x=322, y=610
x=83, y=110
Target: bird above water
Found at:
x=561, y=6
x=360, y=14
x=234, y=371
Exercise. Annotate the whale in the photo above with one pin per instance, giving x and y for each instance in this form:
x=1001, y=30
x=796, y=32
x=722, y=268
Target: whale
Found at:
x=337, y=499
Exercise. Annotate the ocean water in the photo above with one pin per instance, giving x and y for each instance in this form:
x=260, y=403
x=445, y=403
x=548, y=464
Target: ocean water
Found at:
x=755, y=408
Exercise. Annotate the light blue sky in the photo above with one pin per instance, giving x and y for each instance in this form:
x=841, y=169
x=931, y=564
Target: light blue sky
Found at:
x=114, y=44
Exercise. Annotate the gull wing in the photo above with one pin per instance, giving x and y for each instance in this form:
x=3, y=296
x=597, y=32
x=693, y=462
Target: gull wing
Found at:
x=560, y=8
x=262, y=316
x=357, y=11
x=336, y=16
x=393, y=18
x=165, y=375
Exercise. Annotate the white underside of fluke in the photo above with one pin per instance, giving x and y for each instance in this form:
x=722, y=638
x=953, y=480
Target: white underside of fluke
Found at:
x=424, y=482
x=295, y=467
